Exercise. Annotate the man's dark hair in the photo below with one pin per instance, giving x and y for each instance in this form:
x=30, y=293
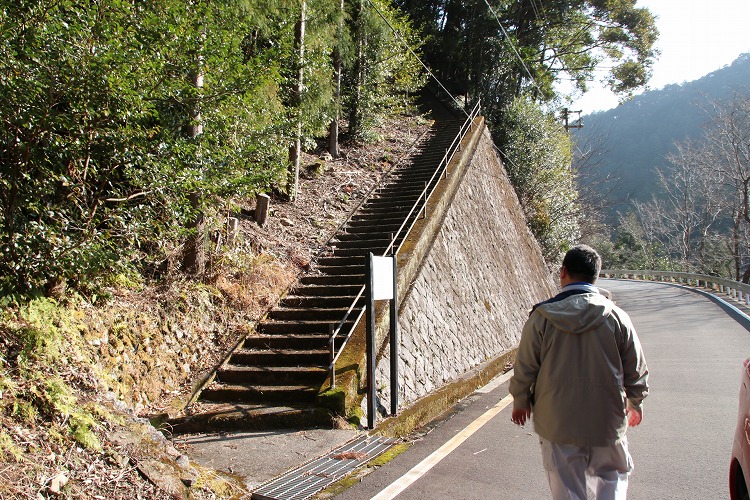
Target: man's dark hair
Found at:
x=583, y=263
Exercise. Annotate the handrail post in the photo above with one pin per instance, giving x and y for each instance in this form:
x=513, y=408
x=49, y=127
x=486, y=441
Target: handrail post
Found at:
x=332, y=351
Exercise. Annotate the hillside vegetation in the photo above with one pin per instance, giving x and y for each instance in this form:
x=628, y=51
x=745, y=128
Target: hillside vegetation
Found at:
x=68, y=365
x=632, y=141
x=671, y=169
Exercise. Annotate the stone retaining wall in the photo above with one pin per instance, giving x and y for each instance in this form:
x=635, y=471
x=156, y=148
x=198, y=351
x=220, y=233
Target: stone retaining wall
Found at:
x=473, y=293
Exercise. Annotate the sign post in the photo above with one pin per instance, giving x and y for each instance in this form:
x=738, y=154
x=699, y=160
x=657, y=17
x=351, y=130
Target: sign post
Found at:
x=381, y=284
x=394, y=340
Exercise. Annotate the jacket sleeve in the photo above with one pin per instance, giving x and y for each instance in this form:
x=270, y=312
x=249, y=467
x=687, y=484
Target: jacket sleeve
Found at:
x=635, y=370
x=528, y=361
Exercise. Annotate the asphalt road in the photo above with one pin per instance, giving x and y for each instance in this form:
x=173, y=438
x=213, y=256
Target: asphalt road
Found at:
x=694, y=350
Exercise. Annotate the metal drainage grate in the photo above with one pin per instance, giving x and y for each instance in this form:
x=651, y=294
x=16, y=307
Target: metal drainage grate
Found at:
x=307, y=480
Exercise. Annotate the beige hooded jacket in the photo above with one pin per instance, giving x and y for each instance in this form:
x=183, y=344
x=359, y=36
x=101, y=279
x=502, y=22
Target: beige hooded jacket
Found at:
x=579, y=363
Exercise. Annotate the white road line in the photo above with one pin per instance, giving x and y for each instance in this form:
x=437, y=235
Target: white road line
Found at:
x=428, y=463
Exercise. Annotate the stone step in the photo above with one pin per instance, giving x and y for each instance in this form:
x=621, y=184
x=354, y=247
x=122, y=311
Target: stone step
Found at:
x=364, y=234
x=339, y=261
x=298, y=327
x=385, y=212
x=360, y=252
x=330, y=314
x=281, y=357
x=397, y=193
x=344, y=279
x=259, y=393
x=383, y=223
x=317, y=301
x=328, y=290
x=341, y=270
x=410, y=185
x=410, y=181
x=382, y=218
x=372, y=241
x=406, y=189
x=271, y=375
x=300, y=342
x=372, y=224
x=252, y=417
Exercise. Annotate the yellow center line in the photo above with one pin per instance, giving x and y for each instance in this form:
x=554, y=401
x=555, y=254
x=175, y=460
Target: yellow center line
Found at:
x=428, y=463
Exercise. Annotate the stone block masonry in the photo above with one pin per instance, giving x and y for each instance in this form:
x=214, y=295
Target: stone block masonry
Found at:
x=475, y=287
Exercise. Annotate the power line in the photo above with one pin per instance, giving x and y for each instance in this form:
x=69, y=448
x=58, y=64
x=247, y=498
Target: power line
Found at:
x=537, y=9
x=406, y=44
x=437, y=80
x=513, y=47
x=408, y=47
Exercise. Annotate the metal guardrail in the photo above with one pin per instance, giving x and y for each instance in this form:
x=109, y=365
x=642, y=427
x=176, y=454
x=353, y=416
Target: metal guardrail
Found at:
x=735, y=289
x=419, y=205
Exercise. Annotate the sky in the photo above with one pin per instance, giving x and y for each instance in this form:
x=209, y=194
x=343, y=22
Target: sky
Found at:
x=696, y=37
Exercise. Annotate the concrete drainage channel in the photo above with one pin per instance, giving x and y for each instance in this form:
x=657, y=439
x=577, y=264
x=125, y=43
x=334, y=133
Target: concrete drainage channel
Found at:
x=308, y=479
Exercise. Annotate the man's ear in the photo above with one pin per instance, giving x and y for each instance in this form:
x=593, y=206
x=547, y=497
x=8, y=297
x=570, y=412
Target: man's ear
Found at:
x=563, y=272
x=565, y=278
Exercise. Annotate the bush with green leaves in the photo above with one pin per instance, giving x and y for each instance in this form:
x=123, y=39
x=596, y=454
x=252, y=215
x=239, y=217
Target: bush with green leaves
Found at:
x=536, y=151
x=95, y=99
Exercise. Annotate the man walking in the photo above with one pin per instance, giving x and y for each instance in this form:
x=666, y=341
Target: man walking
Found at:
x=581, y=371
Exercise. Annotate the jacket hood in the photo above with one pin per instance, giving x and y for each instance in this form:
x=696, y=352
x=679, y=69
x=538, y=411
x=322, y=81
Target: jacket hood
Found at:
x=577, y=313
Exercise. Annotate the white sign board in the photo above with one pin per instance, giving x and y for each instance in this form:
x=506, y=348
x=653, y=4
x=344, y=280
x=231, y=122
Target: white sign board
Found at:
x=382, y=278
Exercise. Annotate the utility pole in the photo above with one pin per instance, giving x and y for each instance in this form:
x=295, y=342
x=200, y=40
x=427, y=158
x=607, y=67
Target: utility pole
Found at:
x=566, y=119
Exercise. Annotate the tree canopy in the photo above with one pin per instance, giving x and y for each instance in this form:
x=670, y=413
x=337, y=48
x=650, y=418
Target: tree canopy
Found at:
x=499, y=49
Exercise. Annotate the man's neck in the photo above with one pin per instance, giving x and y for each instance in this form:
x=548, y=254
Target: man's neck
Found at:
x=579, y=285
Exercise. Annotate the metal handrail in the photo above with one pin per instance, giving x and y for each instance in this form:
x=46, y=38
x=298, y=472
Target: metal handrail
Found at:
x=736, y=289
x=423, y=198
x=385, y=177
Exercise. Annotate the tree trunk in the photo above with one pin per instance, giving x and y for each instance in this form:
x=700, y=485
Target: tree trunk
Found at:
x=736, y=246
x=333, y=133
x=296, y=150
x=193, y=257
x=355, y=113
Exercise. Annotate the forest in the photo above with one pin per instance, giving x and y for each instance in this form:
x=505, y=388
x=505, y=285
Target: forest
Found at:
x=672, y=165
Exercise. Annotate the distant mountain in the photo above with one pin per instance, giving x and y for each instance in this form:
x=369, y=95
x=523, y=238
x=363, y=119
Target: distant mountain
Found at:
x=630, y=142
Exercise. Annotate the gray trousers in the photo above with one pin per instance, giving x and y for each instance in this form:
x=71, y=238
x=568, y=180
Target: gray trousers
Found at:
x=572, y=469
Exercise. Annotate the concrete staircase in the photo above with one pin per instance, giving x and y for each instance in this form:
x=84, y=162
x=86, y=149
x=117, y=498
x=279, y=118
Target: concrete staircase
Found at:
x=273, y=378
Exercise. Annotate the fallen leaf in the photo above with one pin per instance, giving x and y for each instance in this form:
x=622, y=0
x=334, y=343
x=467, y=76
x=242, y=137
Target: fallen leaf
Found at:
x=350, y=455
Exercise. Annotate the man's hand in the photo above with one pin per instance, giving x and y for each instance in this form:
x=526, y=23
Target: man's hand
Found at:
x=635, y=415
x=520, y=415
